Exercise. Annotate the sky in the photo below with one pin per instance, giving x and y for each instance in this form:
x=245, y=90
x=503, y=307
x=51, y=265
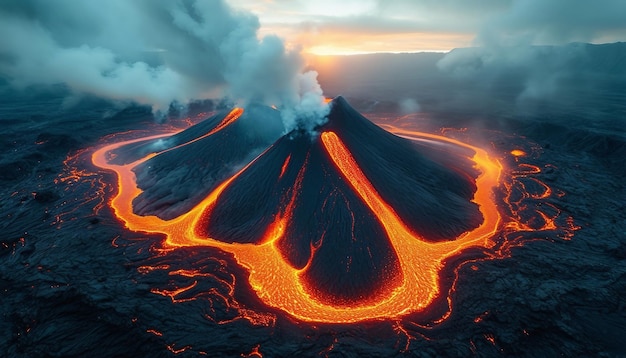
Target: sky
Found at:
x=161, y=53
x=329, y=27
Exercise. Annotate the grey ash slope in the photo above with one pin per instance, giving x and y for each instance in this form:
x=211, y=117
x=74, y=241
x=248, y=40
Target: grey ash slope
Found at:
x=135, y=151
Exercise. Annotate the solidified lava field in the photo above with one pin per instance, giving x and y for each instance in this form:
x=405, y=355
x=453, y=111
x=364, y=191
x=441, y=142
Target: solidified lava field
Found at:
x=74, y=282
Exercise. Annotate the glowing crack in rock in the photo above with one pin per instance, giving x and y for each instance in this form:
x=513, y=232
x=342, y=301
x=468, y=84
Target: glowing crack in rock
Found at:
x=276, y=282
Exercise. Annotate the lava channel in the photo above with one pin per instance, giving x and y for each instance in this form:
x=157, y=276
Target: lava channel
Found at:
x=275, y=280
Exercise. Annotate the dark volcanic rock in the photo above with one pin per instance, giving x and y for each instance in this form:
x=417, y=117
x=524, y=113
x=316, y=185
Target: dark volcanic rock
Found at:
x=15, y=170
x=175, y=181
x=45, y=196
x=56, y=142
x=73, y=289
x=135, y=151
x=352, y=251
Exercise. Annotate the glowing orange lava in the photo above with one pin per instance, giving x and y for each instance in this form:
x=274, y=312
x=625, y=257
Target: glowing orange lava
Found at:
x=275, y=281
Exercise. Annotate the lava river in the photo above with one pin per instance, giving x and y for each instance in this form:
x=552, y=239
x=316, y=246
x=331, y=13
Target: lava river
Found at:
x=412, y=284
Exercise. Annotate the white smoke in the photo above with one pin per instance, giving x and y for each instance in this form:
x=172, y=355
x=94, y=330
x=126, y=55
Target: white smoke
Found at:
x=305, y=108
x=409, y=105
x=515, y=44
x=155, y=52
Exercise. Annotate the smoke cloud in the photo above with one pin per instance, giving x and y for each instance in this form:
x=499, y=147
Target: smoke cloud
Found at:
x=156, y=52
x=513, y=42
x=409, y=105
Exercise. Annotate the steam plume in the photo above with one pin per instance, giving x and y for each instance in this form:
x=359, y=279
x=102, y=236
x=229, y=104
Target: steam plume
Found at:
x=155, y=52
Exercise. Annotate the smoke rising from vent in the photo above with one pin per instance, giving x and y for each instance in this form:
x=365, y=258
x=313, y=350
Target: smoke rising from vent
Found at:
x=155, y=52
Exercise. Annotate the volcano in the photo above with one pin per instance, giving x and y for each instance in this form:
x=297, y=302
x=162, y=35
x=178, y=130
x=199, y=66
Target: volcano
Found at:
x=332, y=232
x=346, y=217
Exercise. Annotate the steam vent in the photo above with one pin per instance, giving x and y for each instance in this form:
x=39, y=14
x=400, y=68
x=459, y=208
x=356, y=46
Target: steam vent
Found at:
x=348, y=223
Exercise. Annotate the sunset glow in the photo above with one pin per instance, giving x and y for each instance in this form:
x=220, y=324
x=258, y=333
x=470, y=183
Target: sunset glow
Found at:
x=360, y=27
x=354, y=44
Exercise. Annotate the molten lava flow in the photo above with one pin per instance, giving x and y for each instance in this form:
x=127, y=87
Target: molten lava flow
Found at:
x=279, y=284
x=230, y=118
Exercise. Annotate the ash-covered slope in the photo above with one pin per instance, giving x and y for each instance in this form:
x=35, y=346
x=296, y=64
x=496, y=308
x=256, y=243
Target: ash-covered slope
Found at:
x=192, y=164
x=135, y=151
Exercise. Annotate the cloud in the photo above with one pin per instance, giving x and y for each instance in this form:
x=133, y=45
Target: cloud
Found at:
x=530, y=72
x=373, y=24
x=152, y=52
x=545, y=22
x=512, y=46
x=304, y=110
x=409, y=105
x=555, y=22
